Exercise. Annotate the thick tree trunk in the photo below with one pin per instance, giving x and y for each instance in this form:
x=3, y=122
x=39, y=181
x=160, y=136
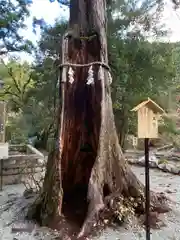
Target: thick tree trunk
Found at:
x=89, y=173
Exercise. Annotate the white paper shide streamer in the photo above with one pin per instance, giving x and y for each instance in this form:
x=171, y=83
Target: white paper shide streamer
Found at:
x=71, y=75
x=100, y=73
x=110, y=77
x=90, y=79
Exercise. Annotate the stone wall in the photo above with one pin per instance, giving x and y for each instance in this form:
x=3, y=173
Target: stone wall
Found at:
x=24, y=165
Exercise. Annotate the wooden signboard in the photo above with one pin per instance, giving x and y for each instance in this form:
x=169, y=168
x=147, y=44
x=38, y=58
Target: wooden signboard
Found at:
x=148, y=113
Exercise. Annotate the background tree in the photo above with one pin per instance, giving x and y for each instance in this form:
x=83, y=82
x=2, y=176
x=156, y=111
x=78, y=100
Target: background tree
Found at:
x=45, y=94
x=137, y=20
x=12, y=17
x=140, y=68
x=18, y=82
x=129, y=56
x=144, y=69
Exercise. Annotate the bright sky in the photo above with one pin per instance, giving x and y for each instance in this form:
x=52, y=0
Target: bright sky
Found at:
x=46, y=10
x=51, y=11
x=172, y=20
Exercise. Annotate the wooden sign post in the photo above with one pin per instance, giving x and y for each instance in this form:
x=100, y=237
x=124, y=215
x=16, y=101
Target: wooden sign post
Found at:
x=147, y=187
x=148, y=114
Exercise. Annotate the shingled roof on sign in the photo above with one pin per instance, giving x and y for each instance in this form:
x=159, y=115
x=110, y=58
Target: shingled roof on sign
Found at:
x=150, y=104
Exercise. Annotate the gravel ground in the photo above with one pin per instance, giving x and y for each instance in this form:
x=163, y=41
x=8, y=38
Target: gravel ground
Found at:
x=11, y=201
x=160, y=182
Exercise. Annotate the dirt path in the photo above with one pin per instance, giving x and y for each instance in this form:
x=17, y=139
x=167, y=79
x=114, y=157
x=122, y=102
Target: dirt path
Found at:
x=11, y=201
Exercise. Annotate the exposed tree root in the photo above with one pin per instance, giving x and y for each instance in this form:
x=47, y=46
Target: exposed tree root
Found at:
x=105, y=208
x=118, y=209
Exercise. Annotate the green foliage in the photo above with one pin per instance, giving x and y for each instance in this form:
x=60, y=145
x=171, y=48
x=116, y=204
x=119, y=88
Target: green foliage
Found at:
x=17, y=129
x=31, y=99
x=169, y=127
x=18, y=81
x=32, y=92
x=12, y=16
x=140, y=69
x=41, y=111
x=50, y=42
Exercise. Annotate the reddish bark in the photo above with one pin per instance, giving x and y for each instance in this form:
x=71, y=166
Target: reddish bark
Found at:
x=89, y=175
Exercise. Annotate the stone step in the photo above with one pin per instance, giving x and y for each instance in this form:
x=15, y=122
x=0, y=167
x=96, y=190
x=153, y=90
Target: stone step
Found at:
x=22, y=160
x=19, y=178
x=23, y=165
x=25, y=170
